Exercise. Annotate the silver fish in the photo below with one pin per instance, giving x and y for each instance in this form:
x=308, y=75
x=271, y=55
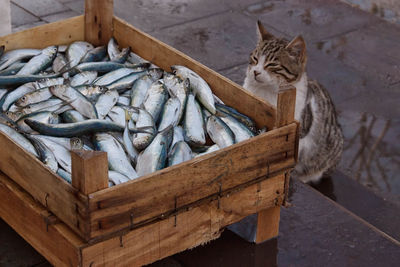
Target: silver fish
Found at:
x=178, y=88
x=47, y=105
x=62, y=155
x=178, y=135
x=106, y=102
x=18, y=138
x=74, y=129
x=154, y=157
x=117, y=160
x=117, y=178
x=170, y=114
x=135, y=59
x=156, y=97
x=212, y=148
x=76, y=51
x=240, y=131
x=142, y=140
x=123, y=56
x=39, y=62
x=14, y=95
x=71, y=116
x=219, y=132
x=112, y=49
x=126, y=82
x=193, y=122
x=179, y=153
x=33, y=97
x=64, y=175
x=200, y=87
x=139, y=90
x=75, y=99
x=13, y=69
x=13, y=56
x=237, y=115
x=45, y=154
x=43, y=116
x=113, y=76
x=130, y=149
x=123, y=100
x=95, y=54
x=83, y=78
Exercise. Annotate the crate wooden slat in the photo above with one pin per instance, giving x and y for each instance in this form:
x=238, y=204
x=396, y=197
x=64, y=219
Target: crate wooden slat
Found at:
x=217, y=189
x=62, y=247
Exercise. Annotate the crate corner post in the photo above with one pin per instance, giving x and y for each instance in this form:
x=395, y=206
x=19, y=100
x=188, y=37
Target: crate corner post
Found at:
x=89, y=171
x=98, y=21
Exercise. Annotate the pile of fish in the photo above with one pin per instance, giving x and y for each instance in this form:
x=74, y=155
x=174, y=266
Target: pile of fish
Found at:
x=61, y=98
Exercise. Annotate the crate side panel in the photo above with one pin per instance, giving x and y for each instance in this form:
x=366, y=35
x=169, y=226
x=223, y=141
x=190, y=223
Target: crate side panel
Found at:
x=45, y=186
x=165, y=56
x=142, y=199
x=56, y=242
x=185, y=230
x=56, y=33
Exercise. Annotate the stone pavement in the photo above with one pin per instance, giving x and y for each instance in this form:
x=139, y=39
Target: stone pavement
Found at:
x=354, y=54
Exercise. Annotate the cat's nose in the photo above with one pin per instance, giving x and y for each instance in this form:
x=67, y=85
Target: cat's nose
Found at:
x=256, y=73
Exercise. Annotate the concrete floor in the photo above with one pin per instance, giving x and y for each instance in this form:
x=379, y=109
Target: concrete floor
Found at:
x=354, y=54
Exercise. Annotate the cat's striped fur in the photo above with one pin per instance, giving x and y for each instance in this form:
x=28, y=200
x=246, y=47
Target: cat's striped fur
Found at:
x=277, y=62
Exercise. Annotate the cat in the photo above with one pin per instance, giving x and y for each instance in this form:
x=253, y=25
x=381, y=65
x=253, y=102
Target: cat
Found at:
x=276, y=62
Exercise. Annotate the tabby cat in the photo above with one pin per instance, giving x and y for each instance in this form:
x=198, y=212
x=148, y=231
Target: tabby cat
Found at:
x=277, y=62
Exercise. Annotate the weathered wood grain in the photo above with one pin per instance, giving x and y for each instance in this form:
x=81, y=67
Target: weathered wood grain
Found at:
x=185, y=230
x=55, y=241
x=156, y=194
x=56, y=33
x=98, y=21
x=89, y=170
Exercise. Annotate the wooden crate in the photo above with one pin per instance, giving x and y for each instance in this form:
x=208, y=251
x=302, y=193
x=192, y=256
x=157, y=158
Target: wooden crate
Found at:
x=172, y=209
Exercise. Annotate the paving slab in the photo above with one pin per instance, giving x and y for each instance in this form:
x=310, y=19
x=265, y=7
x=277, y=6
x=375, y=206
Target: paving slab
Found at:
x=313, y=19
x=20, y=16
x=150, y=15
x=379, y=211
x=77, y=5
x=41, y=7
x=373, y=50
x=219, y=41
x=60, y=16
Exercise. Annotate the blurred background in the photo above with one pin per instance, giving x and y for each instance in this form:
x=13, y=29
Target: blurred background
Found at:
x=353, y=49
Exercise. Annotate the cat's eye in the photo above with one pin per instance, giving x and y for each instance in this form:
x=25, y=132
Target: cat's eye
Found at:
x=253, y=60
x=270, y=65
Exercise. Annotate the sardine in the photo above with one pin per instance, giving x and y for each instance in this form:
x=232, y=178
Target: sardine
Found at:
x=106, y=102
x=117, y=160
x=76, y=51
x=39, y=62
x=13, y=56
x=219, y=132
x=240, y=130
x=193, y=122
x=170, y=113
x=156, y=97
x=142, y=140
x=154, y=157
x=43, y=116
x=18, y=138
x=117, y=178
x=75, y=99
x=200, y=87
x=94, y=55
x=83, y=78
x=45, y=153
x=237, y=115
x=74, y=129
x=179, y=153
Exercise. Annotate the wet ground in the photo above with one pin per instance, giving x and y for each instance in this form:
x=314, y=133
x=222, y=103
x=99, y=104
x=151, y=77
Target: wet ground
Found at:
x=355, y=55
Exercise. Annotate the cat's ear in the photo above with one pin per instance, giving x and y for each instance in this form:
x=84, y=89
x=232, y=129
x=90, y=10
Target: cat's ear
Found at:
x=262, y=32
x=299, y=46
